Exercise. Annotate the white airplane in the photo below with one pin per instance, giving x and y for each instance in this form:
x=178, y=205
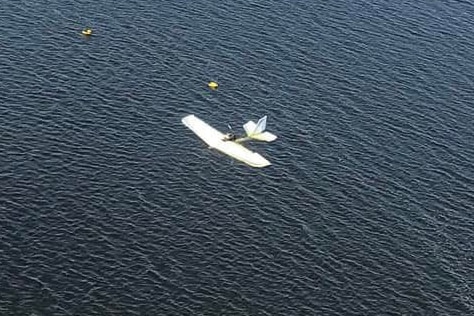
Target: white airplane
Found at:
x=229, y=143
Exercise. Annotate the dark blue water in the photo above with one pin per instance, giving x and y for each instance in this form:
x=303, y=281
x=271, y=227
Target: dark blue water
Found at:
x=110, y=206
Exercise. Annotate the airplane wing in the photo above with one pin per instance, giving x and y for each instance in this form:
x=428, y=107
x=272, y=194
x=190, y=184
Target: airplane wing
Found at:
x=214, y=139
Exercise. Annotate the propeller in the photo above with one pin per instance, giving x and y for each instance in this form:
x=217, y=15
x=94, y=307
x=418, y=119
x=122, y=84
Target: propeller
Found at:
x=231, y=135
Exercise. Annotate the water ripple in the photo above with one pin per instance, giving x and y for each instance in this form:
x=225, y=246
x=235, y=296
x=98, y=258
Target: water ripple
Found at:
x=109, y=205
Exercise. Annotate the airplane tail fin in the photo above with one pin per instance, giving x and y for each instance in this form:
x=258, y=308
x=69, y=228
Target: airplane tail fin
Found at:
x=257, y=131
x=251, y=128
x=261, y=125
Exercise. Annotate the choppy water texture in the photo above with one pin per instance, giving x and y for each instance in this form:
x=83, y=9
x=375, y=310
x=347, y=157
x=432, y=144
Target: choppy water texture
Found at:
x=110, y=206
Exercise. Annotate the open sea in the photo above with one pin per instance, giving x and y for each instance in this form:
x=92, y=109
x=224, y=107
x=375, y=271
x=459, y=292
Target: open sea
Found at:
x=109, y=205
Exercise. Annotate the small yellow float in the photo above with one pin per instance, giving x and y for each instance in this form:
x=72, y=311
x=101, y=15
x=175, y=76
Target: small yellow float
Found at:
x=213, y=85
x=87, y=32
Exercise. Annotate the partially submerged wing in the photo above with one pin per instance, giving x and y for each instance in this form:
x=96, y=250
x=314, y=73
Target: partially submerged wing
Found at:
x=214, y=139
x=208, y=134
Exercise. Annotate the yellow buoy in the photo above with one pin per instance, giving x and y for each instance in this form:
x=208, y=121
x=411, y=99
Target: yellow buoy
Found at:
x=87, y=32
x=213, y=85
